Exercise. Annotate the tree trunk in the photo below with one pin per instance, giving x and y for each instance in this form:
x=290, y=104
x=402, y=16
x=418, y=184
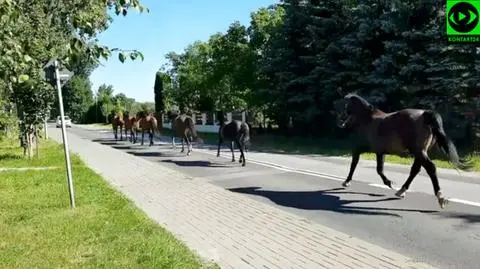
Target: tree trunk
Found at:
x=37, y=141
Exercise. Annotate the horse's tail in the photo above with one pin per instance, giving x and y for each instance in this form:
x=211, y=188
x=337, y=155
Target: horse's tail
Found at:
x=191, y=126
x=245, y=134
x=434, y=120
x=155, y=126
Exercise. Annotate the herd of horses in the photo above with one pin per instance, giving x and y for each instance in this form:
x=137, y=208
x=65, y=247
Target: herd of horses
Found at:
x=183, y=126
x=411, y=131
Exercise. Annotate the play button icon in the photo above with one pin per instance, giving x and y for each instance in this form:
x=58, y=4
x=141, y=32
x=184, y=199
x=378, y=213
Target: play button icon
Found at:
x=463, y=17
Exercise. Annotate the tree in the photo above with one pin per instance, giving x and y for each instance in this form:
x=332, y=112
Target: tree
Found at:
x=105, y=100
x=34, y=32
x=159, y=96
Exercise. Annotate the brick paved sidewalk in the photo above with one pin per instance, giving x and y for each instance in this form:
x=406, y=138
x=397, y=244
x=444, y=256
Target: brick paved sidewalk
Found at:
x=229, y=228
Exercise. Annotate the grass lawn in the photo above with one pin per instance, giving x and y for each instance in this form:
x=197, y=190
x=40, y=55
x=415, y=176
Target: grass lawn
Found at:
x=325, y=147
x=39, y=230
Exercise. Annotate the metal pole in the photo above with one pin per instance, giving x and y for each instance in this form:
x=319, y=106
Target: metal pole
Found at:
x=64, y=136
x=96, y=107
x=46, y=128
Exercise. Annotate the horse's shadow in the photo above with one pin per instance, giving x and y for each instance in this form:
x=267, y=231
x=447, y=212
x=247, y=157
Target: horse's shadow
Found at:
x=153, y=154
x=196, y=163
x=107, y=142
x=326, y=200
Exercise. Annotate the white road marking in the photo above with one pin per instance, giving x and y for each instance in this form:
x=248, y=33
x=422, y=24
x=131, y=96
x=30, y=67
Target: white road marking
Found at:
x=381, y=186
x=463, y=202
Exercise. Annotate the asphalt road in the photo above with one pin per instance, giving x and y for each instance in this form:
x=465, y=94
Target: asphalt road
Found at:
x=311, y=188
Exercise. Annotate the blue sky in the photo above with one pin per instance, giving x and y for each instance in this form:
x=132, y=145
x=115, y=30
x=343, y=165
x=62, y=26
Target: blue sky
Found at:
x=170, y=26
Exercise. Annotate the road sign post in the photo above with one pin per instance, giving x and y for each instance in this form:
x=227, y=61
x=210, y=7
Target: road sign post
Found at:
x=58, y=76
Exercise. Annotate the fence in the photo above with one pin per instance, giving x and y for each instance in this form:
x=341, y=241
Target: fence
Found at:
x=206, y=122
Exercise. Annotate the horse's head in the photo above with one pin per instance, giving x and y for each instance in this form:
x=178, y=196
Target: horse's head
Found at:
x=353, y=111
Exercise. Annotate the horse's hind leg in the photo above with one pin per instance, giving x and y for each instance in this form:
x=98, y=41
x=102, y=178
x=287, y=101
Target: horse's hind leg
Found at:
x=432, y=172
x=183, y=145
x=416, y=166
x=150, y=135
x=380, y=163
x=233, y=153
x=242, y=157
x=189, y=146
x=121, y=133
x=353, y=165
x=143, y=135
x=173, y=143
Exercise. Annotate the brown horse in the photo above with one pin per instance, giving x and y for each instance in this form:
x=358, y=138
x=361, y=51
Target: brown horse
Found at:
x=148, y=123
x=117, y=122
x=183, y=126
x=132, y=125
x=413, y=131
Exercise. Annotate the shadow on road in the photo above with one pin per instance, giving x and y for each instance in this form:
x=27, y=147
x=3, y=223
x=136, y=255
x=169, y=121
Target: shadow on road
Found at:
x=326, y=200
x=197, y=163
x=153, y=154
x=467, y=217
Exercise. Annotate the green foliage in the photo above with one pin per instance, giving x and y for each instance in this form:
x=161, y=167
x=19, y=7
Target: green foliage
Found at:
x=33, y=32
x=158, y=91
x=77, y=98
x=297, y=57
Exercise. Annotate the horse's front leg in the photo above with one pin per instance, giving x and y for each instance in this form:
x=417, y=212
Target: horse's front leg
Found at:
x=220, y=142
x=121, y=133
x=353, y=165
x=183, y=145
x=133, y=134
x=143, y=135
x=173, y=143
x=380, y=163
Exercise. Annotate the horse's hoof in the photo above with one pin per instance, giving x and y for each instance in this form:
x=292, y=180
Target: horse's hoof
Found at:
x=442, y=201
x=400, y=193
x=390, y=184
x=240, y=161
x=346, y=184
x=218, y=155
x=188, y=153
x=243, y=164
x=233, y=160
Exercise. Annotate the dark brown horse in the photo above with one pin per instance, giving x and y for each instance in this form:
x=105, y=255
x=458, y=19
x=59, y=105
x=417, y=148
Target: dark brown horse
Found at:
x=132, y=126
x=183, y=126
x=118, y=122
x=148, y=123
x=237, y=132
x=413, y=131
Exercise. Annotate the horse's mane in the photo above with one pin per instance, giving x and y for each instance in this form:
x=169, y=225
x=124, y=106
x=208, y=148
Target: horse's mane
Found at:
x=359, y=98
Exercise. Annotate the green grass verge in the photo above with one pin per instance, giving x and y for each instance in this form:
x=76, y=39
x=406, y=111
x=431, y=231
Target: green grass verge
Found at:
x=39, y=230
x=325, y=147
